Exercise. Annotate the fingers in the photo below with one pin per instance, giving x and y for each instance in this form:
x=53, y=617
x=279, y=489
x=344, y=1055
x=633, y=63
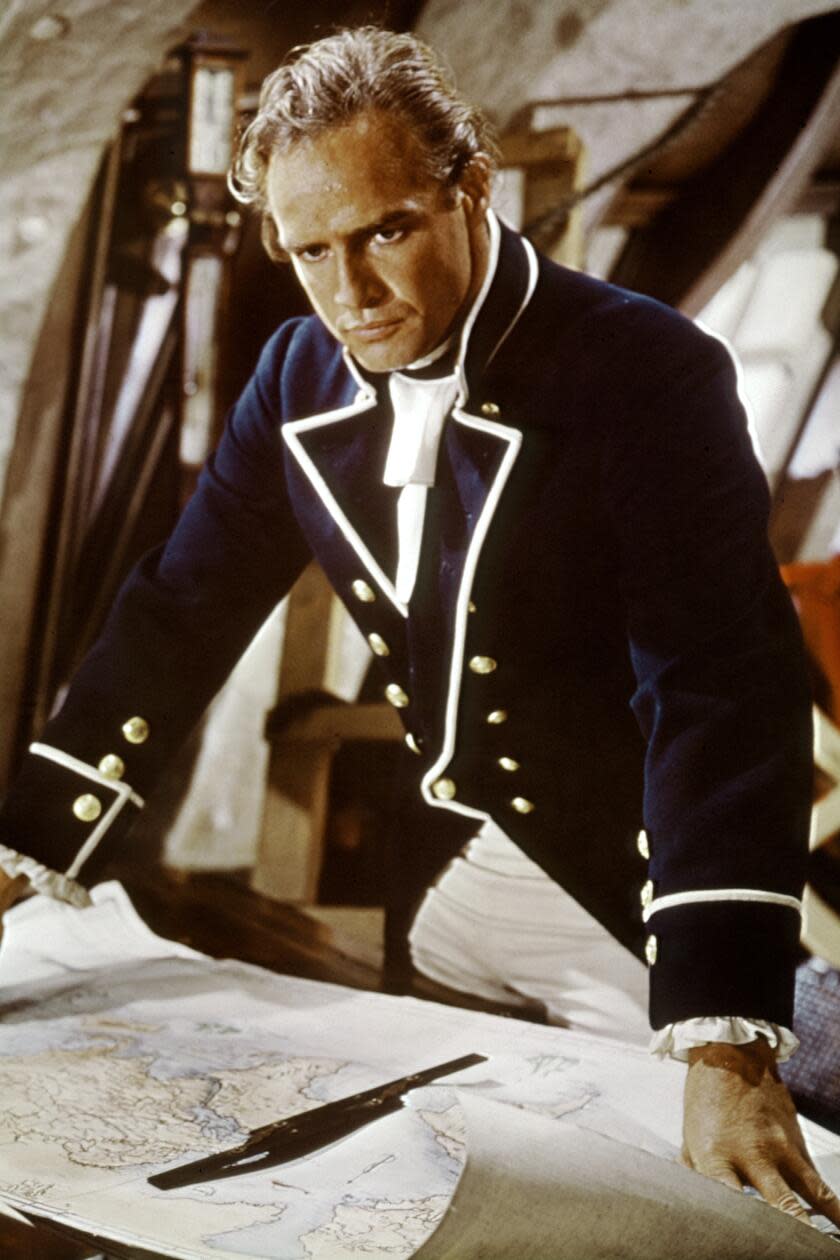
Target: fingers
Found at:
x=727, y=1176
x=717, y=1169
x=809, y=1184
x=774, y=1190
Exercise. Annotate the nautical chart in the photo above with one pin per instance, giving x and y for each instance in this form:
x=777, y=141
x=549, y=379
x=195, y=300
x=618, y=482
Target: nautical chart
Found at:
x=121, y=1055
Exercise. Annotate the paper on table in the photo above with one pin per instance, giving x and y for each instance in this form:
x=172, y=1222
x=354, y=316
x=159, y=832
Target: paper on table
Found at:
x=189, y=1053
x=46, y=939
x=539, y=1189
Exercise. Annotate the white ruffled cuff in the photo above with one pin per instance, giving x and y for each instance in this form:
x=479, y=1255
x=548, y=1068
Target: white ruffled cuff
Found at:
x=42, y=879
x=675, y=1040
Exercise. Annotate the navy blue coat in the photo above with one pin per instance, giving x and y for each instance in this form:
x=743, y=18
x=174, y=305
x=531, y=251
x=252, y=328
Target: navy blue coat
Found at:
x=595, y=566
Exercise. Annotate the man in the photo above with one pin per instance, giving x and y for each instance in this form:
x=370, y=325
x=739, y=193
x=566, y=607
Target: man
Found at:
x=536, y=495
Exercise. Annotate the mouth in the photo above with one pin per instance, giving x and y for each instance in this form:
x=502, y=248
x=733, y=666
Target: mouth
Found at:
x=376, y=330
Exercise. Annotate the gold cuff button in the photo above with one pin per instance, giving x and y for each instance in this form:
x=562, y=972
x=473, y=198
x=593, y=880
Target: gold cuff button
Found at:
x=395, y=695
x=522, y=805
x=413, y=745
x=496, y=717
x=508, y=763
x=483, y=664
x=647, y=894
x=363, y=592
x=112, y=766
x=642, y=844
x=444, y=789
x=651, y=950
x=136, y=730
x=87, y=808
x=378, y=645
x=471, y=607
x=490, y=409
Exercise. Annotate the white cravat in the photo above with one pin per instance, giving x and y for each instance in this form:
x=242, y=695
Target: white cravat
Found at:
x=420, y=408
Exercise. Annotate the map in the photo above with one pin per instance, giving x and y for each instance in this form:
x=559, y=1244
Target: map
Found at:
x=105, y=1086
x=122, y=1055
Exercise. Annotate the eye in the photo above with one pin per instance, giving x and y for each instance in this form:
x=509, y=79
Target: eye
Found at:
x=388, y=235
x=311, y=253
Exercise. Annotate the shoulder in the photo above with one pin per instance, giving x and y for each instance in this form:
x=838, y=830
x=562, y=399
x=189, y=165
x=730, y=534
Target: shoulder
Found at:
x=300, y=369
x=611, y=334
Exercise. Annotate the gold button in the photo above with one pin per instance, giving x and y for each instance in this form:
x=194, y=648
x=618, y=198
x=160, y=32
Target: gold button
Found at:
x=523, y=806
x=651, y=949
x=471, y=607
x=508, y=763
x=490, y=409
x=363, y=592
x=413, y=745
x=112, y=766
x=395, y=695
x=87, y=808
x=443, y=789
x=496, y=717
x=136, y=730
x=378, y=645
x=483, y=664
x=642, y=844
x=647, y=893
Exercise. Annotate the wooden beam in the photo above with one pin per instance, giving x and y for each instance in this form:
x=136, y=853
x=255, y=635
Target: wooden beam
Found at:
x=695, y=244
x=552, y=164
x=339, y=722
x=35, y=468
x=636, y=205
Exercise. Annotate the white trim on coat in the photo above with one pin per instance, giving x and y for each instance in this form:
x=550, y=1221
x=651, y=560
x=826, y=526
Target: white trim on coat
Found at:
x=365, y=401
x=513, y=437
x=122, y=793
x=721, y=894
x=533, y=274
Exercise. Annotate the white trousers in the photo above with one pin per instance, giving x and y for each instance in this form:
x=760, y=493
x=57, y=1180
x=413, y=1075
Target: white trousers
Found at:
x=495, y=925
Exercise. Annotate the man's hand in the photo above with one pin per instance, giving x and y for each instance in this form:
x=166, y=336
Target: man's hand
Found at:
x=740, y=1127
x=10, y=890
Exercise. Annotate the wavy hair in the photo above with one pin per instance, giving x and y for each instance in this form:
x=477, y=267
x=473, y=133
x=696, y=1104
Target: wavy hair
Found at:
x=327, y=83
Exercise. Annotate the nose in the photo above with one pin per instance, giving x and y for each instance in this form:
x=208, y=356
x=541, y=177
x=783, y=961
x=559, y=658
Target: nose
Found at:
x=358, y=286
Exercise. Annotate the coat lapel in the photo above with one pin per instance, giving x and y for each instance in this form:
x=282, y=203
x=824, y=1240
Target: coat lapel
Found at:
x=342, y=455
x=480, y=453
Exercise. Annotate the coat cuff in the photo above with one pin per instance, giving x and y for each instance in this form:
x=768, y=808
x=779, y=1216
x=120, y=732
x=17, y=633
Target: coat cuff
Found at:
x=60, y=808
x=675, y=1040
x=712, y=956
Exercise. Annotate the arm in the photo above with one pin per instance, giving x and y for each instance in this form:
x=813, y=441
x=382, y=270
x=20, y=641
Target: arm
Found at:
x=10, y=889
x=177, y=627
x=722, y=696
x=723, y=703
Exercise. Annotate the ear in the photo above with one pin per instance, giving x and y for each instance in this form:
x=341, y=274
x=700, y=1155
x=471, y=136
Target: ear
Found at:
x=271, y=239
x=474, y=185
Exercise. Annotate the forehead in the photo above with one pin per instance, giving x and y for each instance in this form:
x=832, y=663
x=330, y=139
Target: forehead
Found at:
x=347, y=178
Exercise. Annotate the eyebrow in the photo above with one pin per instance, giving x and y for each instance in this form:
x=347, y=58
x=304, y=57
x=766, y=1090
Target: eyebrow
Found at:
x=393, y=219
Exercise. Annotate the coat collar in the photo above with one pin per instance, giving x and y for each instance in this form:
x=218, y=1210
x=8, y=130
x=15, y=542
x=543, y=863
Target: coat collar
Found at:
x=511, y=285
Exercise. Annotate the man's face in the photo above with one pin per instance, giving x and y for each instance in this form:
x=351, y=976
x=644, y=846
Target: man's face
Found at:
x=387, y=256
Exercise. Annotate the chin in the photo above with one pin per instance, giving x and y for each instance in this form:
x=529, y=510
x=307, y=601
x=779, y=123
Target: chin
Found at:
x=382, y=357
